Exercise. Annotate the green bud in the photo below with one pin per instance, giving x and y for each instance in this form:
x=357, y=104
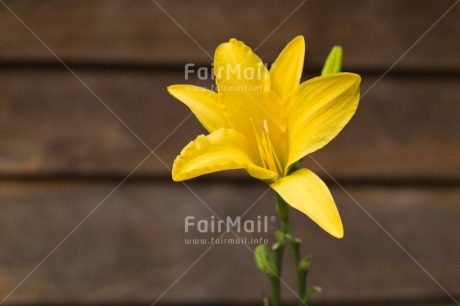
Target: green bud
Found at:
x=304, y=264
x=309, y=294
x=293, y=240
x=264, y=260
x=280, y=238
x=295, y=245
x=266, y=303
x=333, y=62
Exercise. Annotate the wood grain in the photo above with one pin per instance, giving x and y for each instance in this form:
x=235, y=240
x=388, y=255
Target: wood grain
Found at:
x=133, y=247
x=374, y=33
x=50, y=124
x=64, y=151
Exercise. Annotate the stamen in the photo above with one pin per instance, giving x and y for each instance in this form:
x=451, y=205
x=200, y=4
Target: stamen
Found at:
x=259, y=144
x=266, y=126
x=267, y=152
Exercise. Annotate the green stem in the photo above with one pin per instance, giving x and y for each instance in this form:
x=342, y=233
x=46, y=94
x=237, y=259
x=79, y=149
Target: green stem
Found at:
x=279, y=252
x=276, y=299
x=301, y=279
x=283, y=211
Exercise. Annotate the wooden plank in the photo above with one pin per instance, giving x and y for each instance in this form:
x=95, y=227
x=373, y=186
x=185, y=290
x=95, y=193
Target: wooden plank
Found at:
x=51, y=125
x=374, y=33
x=133, y=247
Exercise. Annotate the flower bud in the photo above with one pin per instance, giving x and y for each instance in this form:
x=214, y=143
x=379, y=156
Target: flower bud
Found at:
x=304, y=264
x=264, y=260
x=333, y=62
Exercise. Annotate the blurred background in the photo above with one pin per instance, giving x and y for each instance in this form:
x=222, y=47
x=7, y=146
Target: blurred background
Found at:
x=89, y=214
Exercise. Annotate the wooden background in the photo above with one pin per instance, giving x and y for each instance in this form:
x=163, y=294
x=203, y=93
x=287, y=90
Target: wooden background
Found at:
x=69, y=143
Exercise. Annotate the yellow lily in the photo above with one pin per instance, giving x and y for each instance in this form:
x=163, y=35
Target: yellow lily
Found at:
x=264, y=121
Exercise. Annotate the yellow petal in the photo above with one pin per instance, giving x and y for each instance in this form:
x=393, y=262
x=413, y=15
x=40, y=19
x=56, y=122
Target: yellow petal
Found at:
x=306, y=192
x=243, y=83
x=203, y=103
x=286, y=72
x=223, y=149
x=319, y=110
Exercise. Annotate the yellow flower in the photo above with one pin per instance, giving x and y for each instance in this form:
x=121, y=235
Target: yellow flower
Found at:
x=264, y=121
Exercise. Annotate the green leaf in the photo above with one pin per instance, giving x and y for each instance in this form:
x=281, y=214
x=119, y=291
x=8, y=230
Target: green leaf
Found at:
x=263, y=258
x=333, y=62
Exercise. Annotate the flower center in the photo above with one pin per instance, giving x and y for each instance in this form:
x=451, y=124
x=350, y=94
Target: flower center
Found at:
x=267, y=152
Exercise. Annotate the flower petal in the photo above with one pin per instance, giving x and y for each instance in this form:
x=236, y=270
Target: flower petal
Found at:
x=286, y=72
x=243, y=83
x=319, y=110
x=223, y=149
x=203, y=103
x=306, y=192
